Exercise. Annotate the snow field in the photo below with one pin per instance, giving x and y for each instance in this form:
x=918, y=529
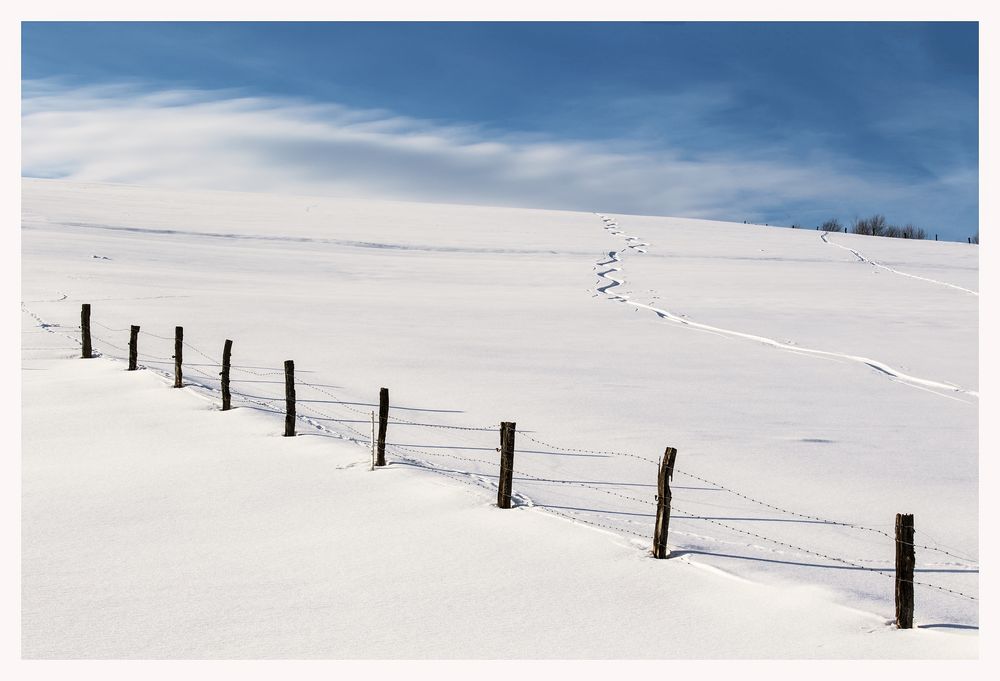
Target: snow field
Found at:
x=791, y=464
x=176, y=530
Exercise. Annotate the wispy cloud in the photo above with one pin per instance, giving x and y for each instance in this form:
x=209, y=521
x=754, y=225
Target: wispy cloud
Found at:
x=229, y=140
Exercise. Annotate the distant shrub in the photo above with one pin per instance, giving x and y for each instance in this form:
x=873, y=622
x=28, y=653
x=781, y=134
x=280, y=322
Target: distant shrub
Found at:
x=876, y=225
x=911, y=232
x=873, y=226
x=975, y=239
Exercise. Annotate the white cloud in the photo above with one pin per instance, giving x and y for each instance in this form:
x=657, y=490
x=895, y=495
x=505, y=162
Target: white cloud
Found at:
x=227, y=140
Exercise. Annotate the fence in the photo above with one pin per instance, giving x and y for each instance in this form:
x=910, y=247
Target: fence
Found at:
x=902, y=540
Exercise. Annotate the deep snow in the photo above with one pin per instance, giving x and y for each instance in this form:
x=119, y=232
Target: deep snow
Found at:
x=812, y=391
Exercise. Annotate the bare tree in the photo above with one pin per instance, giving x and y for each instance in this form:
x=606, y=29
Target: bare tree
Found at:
x=861, y=226
x=911, y=232
x=873, y=226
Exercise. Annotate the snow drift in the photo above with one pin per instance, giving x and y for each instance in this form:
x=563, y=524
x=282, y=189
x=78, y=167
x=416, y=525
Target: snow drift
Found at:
x=812, y=391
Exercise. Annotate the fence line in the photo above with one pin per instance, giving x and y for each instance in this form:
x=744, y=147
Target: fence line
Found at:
x=471, y=478
x=682, y=515
x=635, y=456
x=400, y=420
x=829, y=557
x=746, y=497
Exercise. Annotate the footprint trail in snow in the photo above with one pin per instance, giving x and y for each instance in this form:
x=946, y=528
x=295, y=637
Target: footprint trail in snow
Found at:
x=633, y=243
x=825, y=236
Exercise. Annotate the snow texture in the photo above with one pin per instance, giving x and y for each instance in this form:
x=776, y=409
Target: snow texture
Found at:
x=814, y=385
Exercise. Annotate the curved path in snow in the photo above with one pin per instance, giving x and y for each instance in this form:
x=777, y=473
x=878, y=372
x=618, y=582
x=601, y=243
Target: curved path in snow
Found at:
x=895, y=374
x=875, y=263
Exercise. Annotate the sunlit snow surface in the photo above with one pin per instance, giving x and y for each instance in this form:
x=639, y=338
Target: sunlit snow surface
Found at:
x=814, y=386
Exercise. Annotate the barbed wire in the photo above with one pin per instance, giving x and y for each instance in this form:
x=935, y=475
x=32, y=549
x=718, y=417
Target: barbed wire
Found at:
x=826, y=556
x=465, y=475
x=205, y=355
x=264, y=403
x=332, y=418
x=680, y=515
x=105, y=326
x=584, y=485
x=853, y=563
x=108, y=343
x=459, y=476
x=746, y=497
x=341, y=403
x=576, y=518
x=472, y=479
x=395, y=419
x=150, y=333
x=336, y=398
x=141, y=331
x=826, y=521
x=579, y=450
x=146, y=355
x=524, y=474
x=192, y=367
x=399, y=420
x=468, y=477
x=140, y=354
x=276, y=372
x=534, y=478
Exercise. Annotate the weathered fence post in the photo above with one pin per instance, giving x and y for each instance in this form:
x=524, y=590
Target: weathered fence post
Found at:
x=905, y=559
x=663, y=497
x=507, y=430
x=383, y=424
x=133, y=348
x=227, y=354
x=289, y=398
x=88, y=350
x=178, y=355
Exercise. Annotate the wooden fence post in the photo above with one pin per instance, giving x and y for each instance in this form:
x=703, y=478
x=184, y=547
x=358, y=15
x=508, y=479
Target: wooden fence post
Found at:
x=88, y=350
x=383, y=424
x=507, y=430
x=663, y=497
x=133, y=348
x=227, y=355
x=178, y=355
x=289, y=398
x=905, y=559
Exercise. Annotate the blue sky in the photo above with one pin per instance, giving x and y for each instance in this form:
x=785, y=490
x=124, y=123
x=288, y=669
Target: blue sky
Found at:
x=774, y=122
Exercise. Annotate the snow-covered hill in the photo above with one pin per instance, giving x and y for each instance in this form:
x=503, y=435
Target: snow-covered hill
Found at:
x=814, y=386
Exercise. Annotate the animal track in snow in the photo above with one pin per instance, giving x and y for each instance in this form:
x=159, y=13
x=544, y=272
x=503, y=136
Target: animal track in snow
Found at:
x=895, y=374
x=874, y=263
